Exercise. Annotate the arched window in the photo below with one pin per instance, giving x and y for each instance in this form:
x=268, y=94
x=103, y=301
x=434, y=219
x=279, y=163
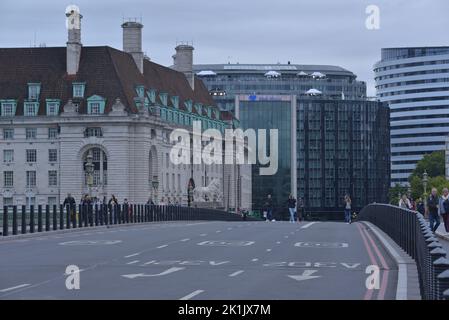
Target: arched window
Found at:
x=100, y=167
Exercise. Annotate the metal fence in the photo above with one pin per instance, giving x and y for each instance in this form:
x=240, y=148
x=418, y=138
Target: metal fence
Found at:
x=411, y=232
x=21, y=220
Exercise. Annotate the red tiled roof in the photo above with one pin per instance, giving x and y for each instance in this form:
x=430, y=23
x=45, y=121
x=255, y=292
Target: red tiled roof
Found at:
x=107, y=72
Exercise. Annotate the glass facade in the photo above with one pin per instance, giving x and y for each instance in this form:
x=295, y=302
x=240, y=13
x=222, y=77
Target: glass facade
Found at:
x=342, y=148
x=270, y=115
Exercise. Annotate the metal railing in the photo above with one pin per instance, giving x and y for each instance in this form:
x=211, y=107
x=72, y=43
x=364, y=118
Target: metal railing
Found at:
x=21, y=220
x=411, y=232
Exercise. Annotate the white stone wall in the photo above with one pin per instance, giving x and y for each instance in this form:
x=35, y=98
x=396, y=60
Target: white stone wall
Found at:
x=126, y=141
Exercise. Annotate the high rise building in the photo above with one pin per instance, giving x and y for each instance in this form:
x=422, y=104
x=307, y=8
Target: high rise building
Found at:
x=415, y=84
x=340, y=137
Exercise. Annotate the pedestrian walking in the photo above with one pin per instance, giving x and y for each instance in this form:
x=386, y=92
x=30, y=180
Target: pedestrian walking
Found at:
x=348, y=207
x=444, y=208
x=404, y=202
x=432, y=208
x=420, y=206
x=71, y=203
x=291, y=202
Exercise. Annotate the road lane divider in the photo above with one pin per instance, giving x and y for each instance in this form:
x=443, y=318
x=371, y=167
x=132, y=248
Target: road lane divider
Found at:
x=191, y=295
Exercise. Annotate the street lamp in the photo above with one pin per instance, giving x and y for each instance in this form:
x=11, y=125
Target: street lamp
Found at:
x=155, y=185
x=425, y=179
x=90, y=171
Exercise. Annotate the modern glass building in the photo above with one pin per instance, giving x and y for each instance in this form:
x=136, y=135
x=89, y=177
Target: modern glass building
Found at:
x=340, y=142
x=225, y=81
x=273, y=112
x=415, y=84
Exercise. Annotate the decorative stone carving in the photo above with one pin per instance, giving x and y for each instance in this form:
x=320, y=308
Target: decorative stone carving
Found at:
x=70, y=109
x=210, y=193
x=118, y=109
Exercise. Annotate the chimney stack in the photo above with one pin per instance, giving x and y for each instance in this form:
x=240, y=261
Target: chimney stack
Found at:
x=132, y=42
x=73, y=52
x=183, y=62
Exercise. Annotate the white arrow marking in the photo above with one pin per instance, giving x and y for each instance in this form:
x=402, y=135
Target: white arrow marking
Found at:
x=163, y=273
x=306, y=275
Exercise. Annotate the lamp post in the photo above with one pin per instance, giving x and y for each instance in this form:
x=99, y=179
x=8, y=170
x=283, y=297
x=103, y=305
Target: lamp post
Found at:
x=89, y=172
x=155, y=185
x=425, y=179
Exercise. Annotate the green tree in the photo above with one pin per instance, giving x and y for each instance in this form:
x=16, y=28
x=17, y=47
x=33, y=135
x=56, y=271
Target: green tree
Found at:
x=439, y=183
x=433, y=164
x=395, y=193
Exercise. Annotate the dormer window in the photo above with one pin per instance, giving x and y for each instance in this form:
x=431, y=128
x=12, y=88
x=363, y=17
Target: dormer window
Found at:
x=188, y=105
x=52, y=107
x=95, y=105
x=8, y=108
x=140, y=90
x=30, y=109
x=199, y=108
x=175, y=101
x=152, y=95
x=163, y=97
x=34, y=89
x=78, y=89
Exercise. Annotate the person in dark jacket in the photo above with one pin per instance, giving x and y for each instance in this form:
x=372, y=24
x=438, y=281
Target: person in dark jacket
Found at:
x=70, y=201
x=300, y=210
x=420, y=206
x=432, y=207
x=291, y=203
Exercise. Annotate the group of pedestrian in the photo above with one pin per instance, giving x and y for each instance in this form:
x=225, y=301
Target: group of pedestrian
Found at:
x=295, y=209
x=437, y=208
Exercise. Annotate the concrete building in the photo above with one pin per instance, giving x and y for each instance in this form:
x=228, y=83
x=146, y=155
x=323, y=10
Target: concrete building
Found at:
x=62, y=108
x=414, y=83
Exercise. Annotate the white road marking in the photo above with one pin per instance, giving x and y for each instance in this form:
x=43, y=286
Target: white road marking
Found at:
x=229, y=228
x=306, y=275
x=236, y=273
x=132, y=255
x=255, y=259
x=16, y=287
x=184, y=240
x=203, y=234
x=191, y=295
x=218, y=231
x=308, y=225
x=278, y=242
x=163, y=246
x=286, y=237
x=163, y=273
x=268, y=250
x=133, y=262
x=149, y=262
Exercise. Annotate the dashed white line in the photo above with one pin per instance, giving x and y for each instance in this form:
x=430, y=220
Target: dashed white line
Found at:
x=132, y=255
x=308, y=225
x=149, y=262
x=255, y=259
x=268, y=250
x=184, y=240
x=236, y=273
x=133, y=262
x=218, y=231
x=203, y=234
x=278, y=242
x=163, y=246
x=16, y=287
x=191, y=295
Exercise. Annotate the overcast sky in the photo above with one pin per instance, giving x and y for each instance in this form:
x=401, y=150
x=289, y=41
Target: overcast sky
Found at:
x=245, y=31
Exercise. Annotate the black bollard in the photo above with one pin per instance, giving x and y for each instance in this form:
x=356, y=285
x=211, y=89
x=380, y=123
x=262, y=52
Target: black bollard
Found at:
x=39, y=218
x=55, y=217
x=5, y=221
x=68, y=216
x=96, y=215
x=14, y=220
x=31, y=219
x=47, y=217
x=23, y=220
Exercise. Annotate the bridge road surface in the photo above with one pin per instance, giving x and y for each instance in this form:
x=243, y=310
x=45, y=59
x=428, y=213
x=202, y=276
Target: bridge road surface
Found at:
x=200, y=260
